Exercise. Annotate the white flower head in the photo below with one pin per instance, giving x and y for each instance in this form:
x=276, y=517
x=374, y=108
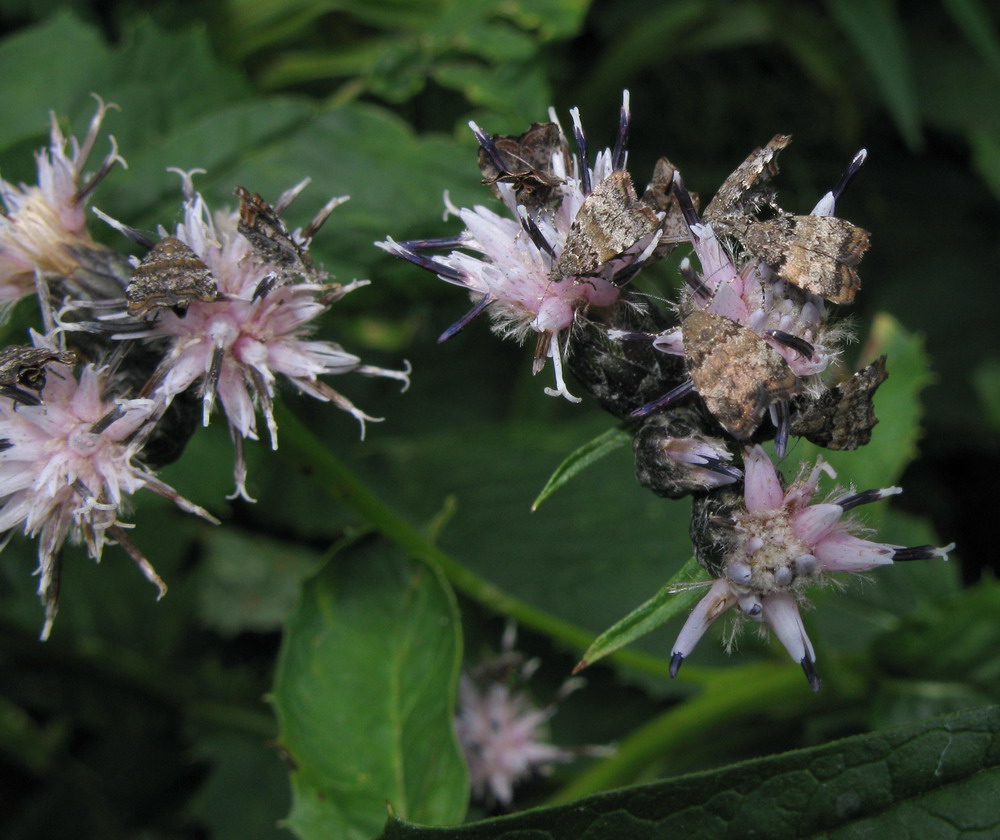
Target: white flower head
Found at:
x=520, y=270
x=253, y=332
x=775, y=545
x=68, y=467
x=43, y=229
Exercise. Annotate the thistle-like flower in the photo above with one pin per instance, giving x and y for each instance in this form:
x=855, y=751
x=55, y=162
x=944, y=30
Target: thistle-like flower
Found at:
x=539, y=270
x=43, y=230
x=766, y=551
x=68, y=466
x=502, y=731
x=250, y=332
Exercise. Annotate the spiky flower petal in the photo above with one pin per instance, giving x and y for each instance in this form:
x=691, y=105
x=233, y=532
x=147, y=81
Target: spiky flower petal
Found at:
x=68, y=468
x=776, y=545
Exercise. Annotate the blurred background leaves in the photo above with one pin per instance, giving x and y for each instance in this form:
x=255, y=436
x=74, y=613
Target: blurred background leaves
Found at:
x=149, y=719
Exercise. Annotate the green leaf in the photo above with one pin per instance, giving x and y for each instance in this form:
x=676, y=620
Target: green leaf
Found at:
x=249, y=582
x=986, y=156
x=364, y=692
x=935, y=778
x=976, y=24
x=663, y=606
x=878, y=35
x=582, y=458
x=239, y=765
x=897, y=405
x=986, y=378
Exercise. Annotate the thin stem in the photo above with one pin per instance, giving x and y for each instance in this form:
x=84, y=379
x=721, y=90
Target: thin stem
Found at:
x=336, y=479
x=728, y=695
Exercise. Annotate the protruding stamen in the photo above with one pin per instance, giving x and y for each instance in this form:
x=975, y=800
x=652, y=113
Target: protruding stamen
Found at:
x=684, y=200
x=434, y=244
x=264, y=287
x=621, y=144
x=488, y=146
x=211, y=385
x=922, y=552
x=672, y=395
x=721, y=467
x=581, y=146
x=533, y=231
x=676, y=660
x=443, y=271
x=783, y=425
x=324, y=213
x=107, y=165
x=849, y=174
x=809, y=669
x=799, y=345
x=466, y=319
x=132, y=233
x=101, y=425
x=866, y=497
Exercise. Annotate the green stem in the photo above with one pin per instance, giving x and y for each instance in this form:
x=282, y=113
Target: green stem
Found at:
x=728, y=695
x=336, y=479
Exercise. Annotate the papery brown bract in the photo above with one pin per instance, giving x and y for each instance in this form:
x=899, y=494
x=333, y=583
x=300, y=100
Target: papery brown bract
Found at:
x=24, y=367
x=735, y=371
x=171, y=276
x=841, y=417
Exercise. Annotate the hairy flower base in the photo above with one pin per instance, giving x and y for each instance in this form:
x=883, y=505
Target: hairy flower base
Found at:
x=777, y=545
x=43, y=231
x=67, y=468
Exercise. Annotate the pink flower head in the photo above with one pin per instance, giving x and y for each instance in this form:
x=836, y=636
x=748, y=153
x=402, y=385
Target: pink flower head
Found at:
x=68, y=466
x=791, y=320
x=239, y=343
x=502, y=734
x=776, y=545
x=515, y=272
x=500, y=728
x=43, y=229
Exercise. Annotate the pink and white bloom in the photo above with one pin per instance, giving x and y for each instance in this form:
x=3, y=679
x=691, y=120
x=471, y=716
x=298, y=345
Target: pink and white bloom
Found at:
x=68, y=468
x=502, y=733
x=512, y=272
x=777, y=544
x=43, y=229
x=239, y=344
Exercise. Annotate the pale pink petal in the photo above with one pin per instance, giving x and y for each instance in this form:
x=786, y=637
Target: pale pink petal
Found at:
x=762, y=488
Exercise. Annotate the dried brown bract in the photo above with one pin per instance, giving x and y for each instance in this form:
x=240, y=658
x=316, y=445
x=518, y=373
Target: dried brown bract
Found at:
x=661, y=196
x=842, y=417
x=735, y=371
x=745, y=192
x=610, y=221
x=170, y=277
x=260, y=223
x=815, y=253
x=525, y=162
x=24, y=367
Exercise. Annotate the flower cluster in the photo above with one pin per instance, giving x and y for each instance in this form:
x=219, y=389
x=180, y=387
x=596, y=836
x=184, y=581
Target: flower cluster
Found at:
x=749, y=353
x=219, y=309
x=767, y=548
x=553, y=258
x=502, y=731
